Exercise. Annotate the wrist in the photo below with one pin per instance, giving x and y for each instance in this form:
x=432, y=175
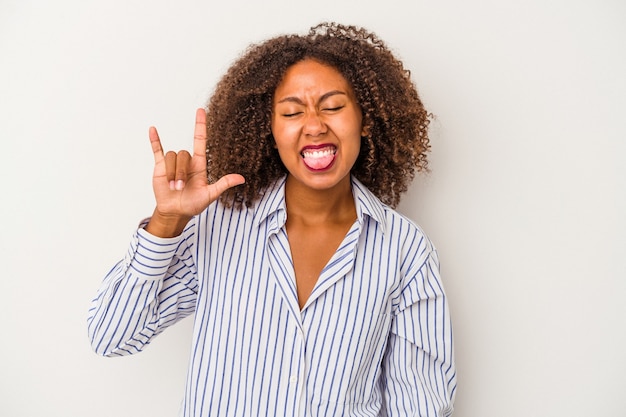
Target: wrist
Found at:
x=166, y=226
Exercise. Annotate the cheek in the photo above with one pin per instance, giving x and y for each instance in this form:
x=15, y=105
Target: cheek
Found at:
x=354, y=131
x=285, y=145
x=281, y=129
x=285, y=139
x=355, y=124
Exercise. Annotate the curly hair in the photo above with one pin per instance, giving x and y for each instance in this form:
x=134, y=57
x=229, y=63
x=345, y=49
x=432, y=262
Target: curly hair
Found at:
x=239, y=134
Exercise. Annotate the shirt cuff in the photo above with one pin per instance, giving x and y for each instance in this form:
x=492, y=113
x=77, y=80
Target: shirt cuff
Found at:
x=151, y=256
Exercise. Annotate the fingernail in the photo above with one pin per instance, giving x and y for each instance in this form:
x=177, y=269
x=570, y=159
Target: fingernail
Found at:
x=172, y=185
x=179, y=185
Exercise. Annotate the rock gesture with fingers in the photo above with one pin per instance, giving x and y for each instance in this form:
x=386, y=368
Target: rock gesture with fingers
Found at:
x=180, y=183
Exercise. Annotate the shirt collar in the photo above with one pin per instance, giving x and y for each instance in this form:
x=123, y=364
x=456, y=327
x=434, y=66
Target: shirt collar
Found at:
x=367, y=204
x=273, y=202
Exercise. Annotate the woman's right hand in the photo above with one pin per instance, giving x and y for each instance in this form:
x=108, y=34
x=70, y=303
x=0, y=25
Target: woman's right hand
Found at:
x=180, y=183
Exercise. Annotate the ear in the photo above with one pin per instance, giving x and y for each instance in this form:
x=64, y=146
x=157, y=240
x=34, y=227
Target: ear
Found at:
x=365, y=131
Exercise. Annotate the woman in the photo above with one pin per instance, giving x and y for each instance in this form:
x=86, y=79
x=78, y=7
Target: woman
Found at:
x=311, y=296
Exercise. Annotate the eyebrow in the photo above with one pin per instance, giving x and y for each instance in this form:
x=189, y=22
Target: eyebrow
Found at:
x=297, y=100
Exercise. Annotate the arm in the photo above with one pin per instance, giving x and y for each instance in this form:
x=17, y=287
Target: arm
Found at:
x=419, y=374
x=155, y=285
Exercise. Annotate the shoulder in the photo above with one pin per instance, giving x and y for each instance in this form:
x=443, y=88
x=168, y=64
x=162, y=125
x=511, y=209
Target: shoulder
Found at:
x=413, y=242
x=406, y=239
x=391, y=222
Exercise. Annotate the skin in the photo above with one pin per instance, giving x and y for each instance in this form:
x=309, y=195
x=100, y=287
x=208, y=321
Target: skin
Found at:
x=180, y=183
x=313, y=105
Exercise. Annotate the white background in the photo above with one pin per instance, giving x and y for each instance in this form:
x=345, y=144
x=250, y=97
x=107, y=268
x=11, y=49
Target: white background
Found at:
x=526, y=200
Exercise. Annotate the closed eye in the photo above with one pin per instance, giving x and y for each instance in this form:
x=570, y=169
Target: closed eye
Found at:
x=332, y=109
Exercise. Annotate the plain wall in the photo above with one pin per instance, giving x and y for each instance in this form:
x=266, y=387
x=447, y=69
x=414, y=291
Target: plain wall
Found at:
x=525, y=199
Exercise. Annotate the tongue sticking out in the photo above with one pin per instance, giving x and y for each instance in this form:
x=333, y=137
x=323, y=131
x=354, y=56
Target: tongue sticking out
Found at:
x=319, y=159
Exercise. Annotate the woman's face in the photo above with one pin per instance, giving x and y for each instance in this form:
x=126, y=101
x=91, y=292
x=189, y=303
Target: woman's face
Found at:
x=317, y=125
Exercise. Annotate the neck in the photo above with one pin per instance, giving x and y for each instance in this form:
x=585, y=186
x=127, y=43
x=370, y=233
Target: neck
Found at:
x=319, y=206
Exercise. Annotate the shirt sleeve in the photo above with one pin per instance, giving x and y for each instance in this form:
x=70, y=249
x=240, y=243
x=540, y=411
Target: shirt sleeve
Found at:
x=153, y=287
x=419, y=375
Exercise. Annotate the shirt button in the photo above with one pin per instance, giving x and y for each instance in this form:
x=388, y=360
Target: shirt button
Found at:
x=293, y=379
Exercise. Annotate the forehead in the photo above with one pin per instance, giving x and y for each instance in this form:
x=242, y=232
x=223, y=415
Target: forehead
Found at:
x=311, y=77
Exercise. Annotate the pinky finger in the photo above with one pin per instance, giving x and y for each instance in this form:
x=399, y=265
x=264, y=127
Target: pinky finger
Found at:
x=155, y=142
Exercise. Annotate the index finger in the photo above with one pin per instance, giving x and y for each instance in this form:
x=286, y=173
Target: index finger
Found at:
x=199, y=134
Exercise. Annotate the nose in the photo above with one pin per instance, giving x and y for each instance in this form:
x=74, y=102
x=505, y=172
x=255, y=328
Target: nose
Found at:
x=313, y=124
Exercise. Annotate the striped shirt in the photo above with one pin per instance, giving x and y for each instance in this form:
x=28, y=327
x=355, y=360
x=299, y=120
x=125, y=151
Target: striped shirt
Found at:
x=373, y=339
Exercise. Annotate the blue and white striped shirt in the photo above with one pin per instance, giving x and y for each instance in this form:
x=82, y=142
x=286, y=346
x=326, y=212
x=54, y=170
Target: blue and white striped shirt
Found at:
x=374, y=338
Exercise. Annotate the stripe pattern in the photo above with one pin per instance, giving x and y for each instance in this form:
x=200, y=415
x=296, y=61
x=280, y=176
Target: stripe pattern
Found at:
x=374, y=338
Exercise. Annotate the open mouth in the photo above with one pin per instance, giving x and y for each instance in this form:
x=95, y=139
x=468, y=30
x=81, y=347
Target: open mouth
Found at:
x=319, y=158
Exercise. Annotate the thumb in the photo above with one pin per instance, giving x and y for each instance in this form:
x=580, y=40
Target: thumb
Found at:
x=224, y=183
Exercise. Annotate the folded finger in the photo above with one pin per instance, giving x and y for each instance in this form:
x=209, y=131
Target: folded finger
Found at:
x=182, y=165
x=170, y=168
